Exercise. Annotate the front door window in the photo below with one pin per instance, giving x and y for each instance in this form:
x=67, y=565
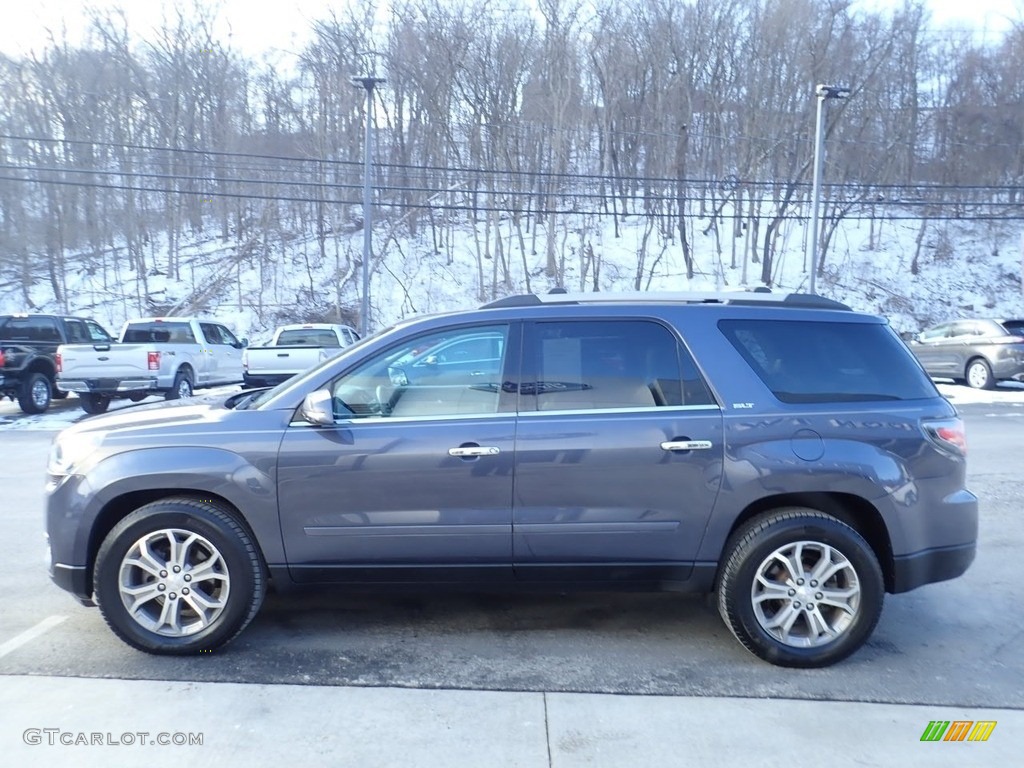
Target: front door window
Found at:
x=448, y=373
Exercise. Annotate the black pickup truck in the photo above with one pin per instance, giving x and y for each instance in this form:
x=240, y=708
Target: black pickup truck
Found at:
x=28, y=351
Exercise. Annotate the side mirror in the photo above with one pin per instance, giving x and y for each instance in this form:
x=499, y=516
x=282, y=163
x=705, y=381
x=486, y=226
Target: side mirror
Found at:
x=317, y=408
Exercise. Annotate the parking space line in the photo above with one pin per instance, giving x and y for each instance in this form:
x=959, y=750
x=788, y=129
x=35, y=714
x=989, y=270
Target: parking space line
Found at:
x=30, y=634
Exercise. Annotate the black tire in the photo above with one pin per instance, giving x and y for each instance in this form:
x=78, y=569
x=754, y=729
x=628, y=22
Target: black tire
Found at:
x=34, y=393
x=979, y=374
x=751, y=551
x=181, y=388
x=138, y=397
x=211, y=609
x=92, y=403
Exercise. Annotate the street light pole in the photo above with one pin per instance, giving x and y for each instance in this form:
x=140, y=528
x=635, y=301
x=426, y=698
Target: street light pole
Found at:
x=822, y=92
x=369, y=83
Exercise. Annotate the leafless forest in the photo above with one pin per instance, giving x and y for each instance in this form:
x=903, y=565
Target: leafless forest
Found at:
x=511, y=116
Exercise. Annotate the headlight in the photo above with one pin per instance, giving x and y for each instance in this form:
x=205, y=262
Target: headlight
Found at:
x=70, y=450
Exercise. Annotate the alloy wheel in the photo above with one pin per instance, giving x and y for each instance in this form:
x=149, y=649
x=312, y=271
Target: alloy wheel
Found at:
x=806, y=594
x=174, y=582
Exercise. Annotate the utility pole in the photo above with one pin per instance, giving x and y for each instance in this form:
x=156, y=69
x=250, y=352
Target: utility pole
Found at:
x=368, y=83
x=822, y=92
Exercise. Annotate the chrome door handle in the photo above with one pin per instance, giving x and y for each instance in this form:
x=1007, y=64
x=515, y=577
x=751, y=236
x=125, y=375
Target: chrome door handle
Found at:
x=686, y=445
x=475, y=450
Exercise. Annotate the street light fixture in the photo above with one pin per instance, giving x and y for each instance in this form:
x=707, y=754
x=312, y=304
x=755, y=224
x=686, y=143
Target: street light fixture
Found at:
x=368, y=83
x=823, y=92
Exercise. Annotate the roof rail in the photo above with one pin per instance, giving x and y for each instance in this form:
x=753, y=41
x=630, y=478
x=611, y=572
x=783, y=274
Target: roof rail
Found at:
x=681, y=297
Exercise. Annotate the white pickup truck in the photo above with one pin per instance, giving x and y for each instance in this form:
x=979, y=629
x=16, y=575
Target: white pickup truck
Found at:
x=294, y=349
x=156, y=355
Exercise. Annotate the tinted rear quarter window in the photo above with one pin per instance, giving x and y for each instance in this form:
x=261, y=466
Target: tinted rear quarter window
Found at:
x=821, y=362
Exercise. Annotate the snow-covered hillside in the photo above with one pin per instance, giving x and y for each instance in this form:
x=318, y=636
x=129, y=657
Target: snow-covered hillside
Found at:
x=964, y=269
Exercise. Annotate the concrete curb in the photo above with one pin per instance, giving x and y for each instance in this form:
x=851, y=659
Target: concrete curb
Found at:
x=102, y=722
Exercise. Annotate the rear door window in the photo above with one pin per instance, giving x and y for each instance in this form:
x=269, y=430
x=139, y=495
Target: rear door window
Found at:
x=821, y=362
x=608, y=364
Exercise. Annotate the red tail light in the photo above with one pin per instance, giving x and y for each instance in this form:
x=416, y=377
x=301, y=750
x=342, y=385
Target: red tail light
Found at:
x=2, y=360
x=948, y=434
x=60, y=363
x=154, y=361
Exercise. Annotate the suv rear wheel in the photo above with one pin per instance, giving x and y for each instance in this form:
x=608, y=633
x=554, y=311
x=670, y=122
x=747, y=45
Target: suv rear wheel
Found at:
x=179, y=576
x=979, y=375
x=799, y=588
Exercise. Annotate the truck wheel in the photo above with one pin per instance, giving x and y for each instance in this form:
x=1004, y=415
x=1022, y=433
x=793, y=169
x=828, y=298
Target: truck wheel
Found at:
x=800, y=588
x=181, y=388
x=179, y=576
x=94, y=403
x=34, y=395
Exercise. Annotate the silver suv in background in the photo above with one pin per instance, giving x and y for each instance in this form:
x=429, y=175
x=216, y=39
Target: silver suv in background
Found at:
x=781, y=451
x=980, y=353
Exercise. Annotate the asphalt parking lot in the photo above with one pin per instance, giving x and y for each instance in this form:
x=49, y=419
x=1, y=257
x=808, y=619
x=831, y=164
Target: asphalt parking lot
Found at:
x=945, y=648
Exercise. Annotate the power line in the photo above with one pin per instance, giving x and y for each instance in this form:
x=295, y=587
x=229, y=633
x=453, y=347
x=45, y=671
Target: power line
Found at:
x=868, y=196
x=491, y=172
x=436, y=206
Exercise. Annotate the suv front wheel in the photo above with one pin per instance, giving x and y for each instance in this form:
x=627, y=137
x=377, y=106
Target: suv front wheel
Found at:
x=179, y=576
x=800, y=588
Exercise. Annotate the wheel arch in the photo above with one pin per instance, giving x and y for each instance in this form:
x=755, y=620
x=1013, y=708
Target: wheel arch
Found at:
x=855, y=511
x=121, y=506
x=188, y=370
x=44, y=365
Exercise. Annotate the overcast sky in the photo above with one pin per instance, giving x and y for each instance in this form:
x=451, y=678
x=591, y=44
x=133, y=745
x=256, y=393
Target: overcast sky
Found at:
x=282, y=26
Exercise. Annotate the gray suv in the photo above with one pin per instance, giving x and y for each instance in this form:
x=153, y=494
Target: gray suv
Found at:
x=782, y=451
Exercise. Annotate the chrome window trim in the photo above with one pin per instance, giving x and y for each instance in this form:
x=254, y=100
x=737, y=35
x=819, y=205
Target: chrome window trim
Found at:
x=631, y=409
x=407, y=419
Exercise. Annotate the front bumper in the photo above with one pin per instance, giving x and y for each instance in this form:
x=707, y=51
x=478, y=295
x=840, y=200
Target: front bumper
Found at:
x=931, y=565
x=73, y=579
